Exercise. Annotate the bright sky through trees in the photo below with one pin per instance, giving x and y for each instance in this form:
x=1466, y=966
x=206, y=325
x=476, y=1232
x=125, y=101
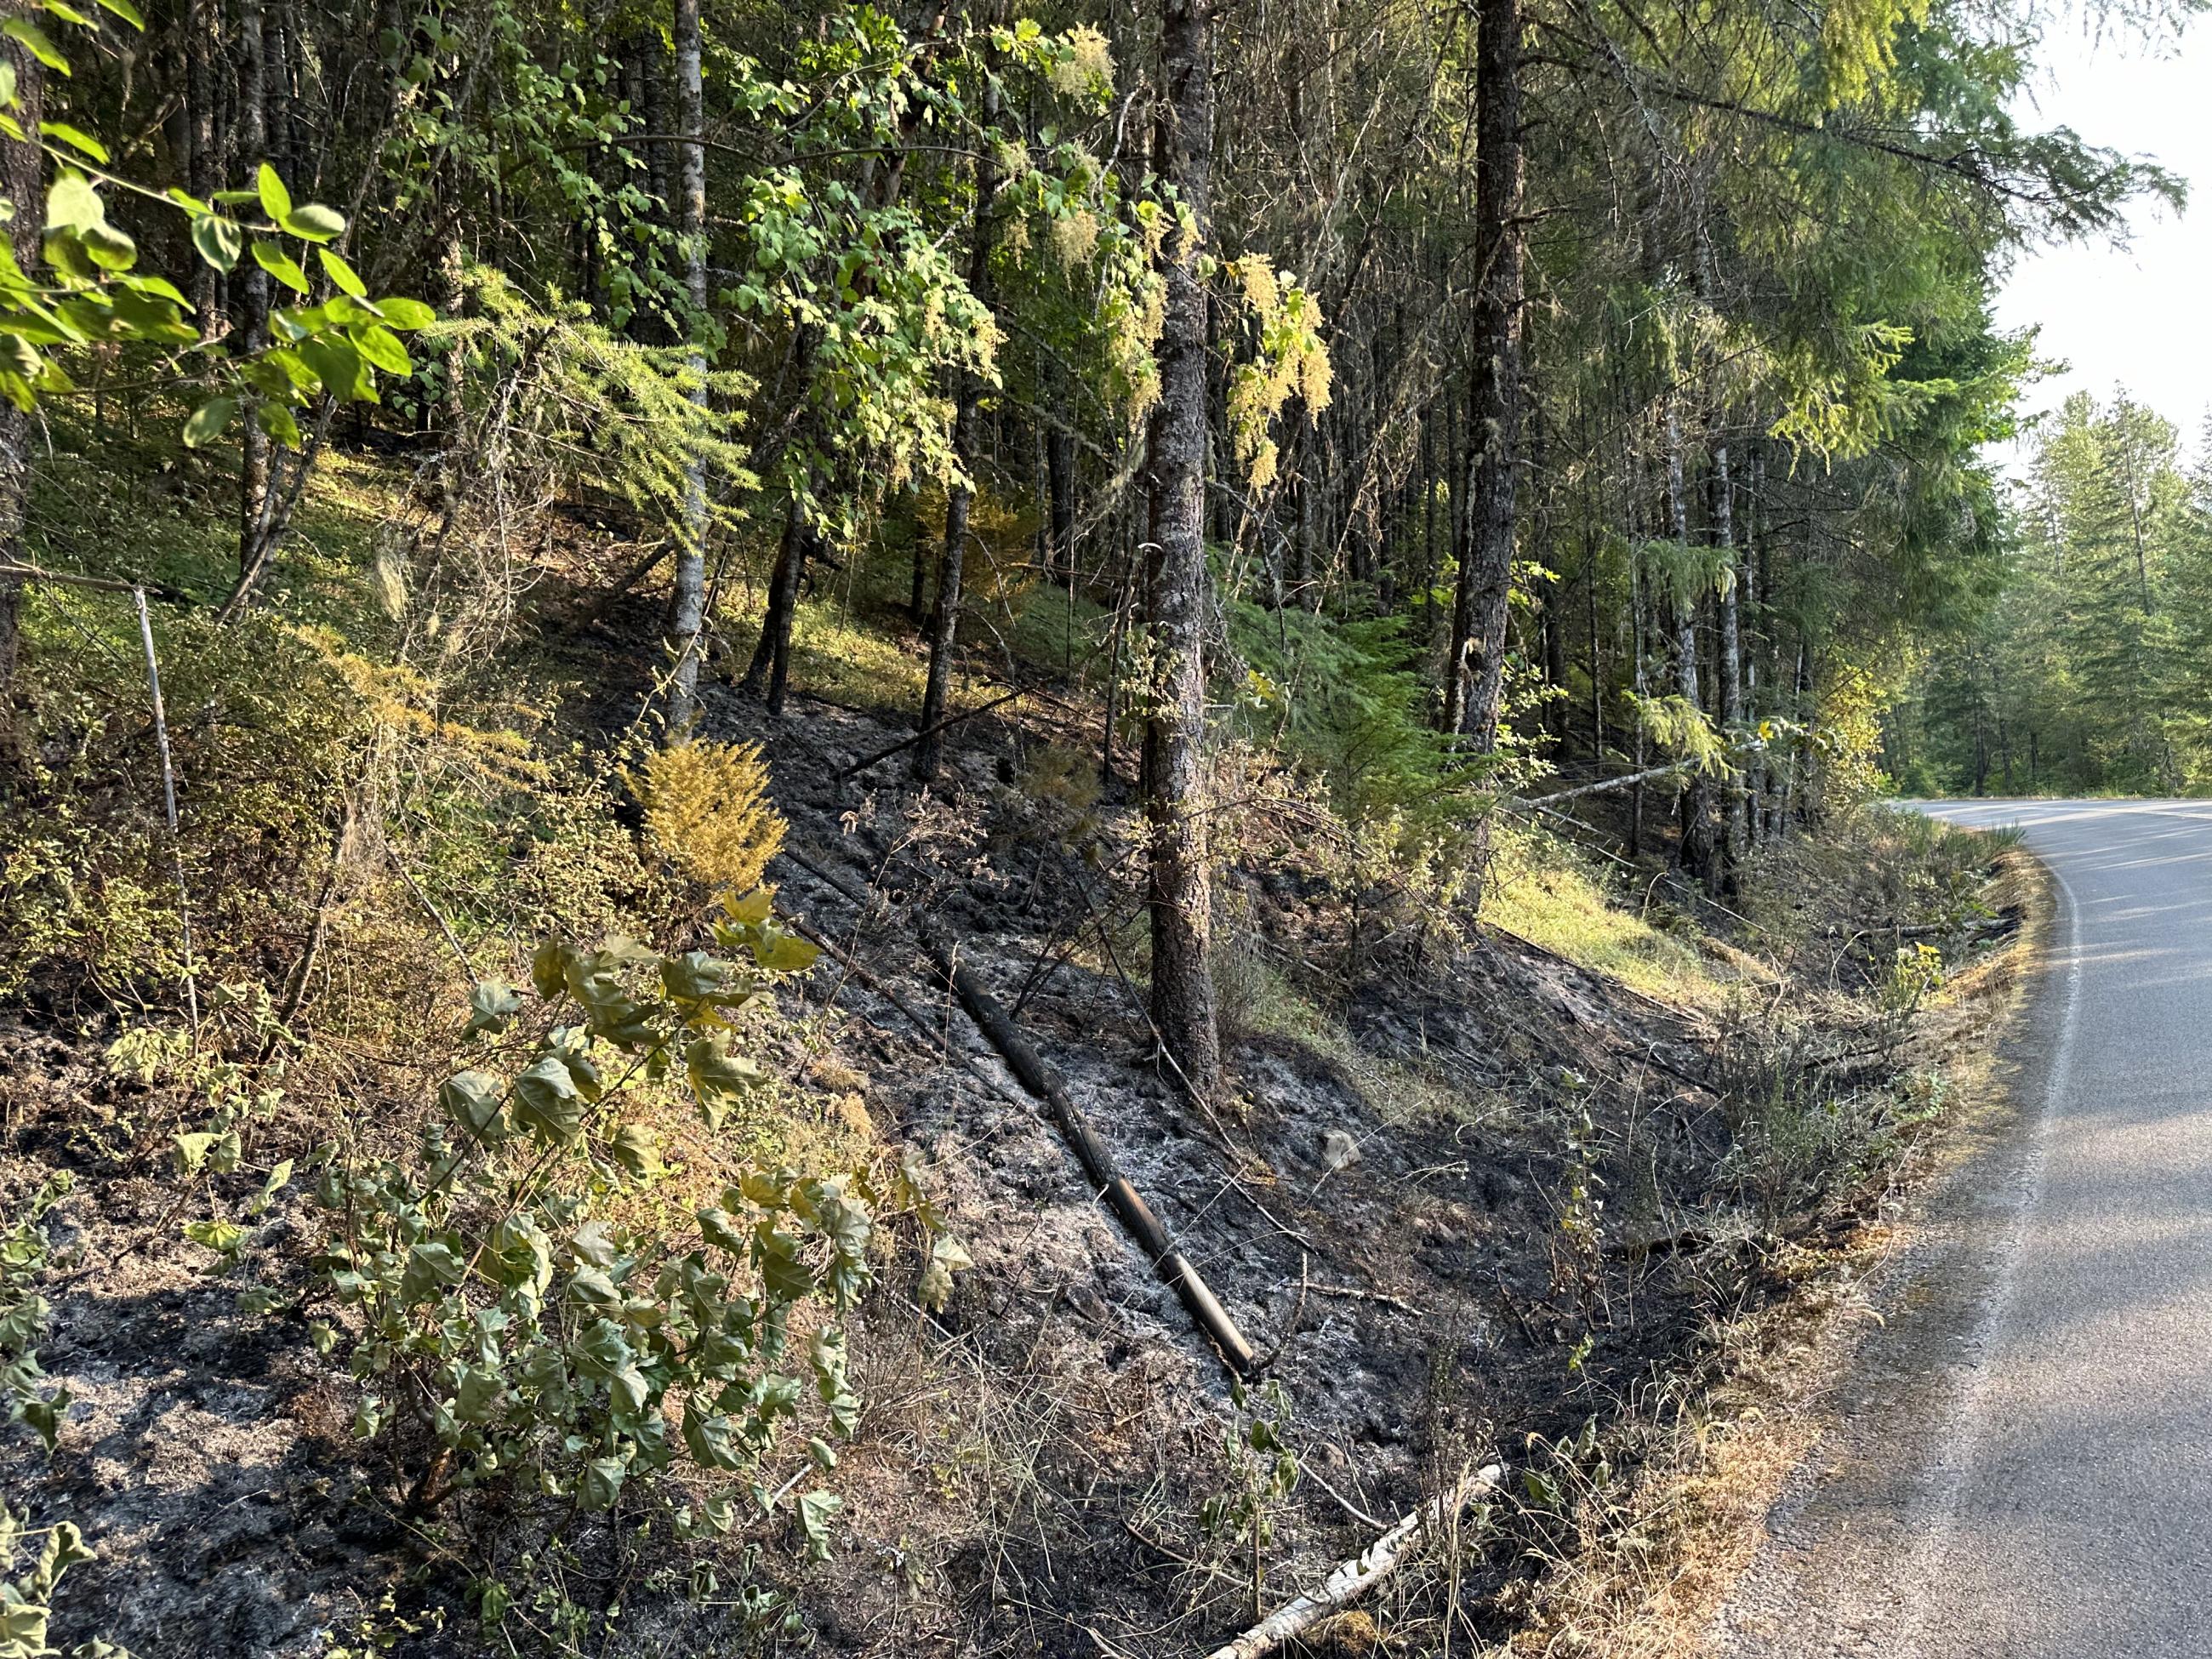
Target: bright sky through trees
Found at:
x=2134, y=317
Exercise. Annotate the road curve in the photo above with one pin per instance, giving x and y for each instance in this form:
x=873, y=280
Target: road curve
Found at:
x=2020, y=1466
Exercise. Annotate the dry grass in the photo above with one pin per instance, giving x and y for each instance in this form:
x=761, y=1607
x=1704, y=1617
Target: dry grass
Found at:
x=1541, y=890
x=1650, y=1559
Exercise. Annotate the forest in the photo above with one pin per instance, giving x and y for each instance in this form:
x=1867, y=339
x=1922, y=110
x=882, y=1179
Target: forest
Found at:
x=942, y=828
x=2081, y=674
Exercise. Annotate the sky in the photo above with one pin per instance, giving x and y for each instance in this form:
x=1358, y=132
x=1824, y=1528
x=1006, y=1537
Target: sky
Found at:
x=2139, y=316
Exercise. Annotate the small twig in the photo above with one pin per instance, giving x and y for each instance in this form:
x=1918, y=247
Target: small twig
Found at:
x=1353, y=1293
x=295, y=991
x=1342, y=1501
x=1519, y=1318
x=1160, y=1549
x=1291, y=1325
x=431, y=911
x=912, y=738
x=169, y=802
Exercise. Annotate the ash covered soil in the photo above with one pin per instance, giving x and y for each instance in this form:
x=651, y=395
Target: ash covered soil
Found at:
x=1396, y=1211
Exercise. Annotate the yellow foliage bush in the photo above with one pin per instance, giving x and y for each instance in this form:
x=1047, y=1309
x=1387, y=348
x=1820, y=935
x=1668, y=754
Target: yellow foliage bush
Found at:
x=708, y=810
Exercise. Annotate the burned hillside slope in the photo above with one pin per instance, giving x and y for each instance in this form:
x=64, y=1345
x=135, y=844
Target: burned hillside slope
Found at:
x=1467, y=1194
x=1468, y=1202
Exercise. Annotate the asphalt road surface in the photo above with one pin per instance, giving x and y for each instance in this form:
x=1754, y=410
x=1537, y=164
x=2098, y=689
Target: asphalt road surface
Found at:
x=2023, y=1461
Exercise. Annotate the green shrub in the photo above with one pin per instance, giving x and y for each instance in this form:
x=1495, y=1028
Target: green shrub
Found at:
x=1348, y=700
x=521, y=1304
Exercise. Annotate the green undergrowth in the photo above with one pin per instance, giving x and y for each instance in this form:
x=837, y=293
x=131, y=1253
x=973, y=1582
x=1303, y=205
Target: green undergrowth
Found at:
x=1600, y=919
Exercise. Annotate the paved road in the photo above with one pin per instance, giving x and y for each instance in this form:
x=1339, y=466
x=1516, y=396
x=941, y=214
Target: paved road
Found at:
x=2024, y=1463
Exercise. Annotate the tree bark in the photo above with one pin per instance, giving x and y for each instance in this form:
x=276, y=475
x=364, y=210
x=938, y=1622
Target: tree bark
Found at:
x=1634, y=507
x=202, y=163
x=1475, y=667
x=1060, y=466
x=688, y=607
x=254, y=311
x=1752, y=564
x=21, y=179
x=768, y=674
x=1729, y=650
x=945, y=620
x=1696, y=850
x=281, y=41
x=1178, y=586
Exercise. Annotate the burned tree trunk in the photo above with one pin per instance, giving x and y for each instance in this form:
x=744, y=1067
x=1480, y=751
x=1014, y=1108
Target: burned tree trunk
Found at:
x=1475, y=663
x=945, y=620
x=1177, y=585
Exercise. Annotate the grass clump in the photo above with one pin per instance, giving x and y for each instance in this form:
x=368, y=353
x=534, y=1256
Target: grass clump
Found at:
x=1543, y=891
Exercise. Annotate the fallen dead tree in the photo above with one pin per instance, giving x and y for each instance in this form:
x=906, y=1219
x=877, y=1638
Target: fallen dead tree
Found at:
x=1036, y=1074
x=1349, y=1580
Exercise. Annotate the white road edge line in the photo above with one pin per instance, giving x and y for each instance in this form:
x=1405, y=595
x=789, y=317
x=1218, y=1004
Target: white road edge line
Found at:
x=1964, y=1432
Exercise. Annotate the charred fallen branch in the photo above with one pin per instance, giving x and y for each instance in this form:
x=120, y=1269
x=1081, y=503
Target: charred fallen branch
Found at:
x=1107, y=1181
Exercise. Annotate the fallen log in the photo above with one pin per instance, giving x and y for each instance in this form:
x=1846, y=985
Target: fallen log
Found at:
x=1105, y=1178
x=913, y=737
x=1606, y=785
x=1349, y=1580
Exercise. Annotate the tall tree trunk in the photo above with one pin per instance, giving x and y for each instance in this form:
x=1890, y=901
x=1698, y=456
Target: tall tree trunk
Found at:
x=917, y=599
x=1475, y=666
x=688, y=606
x=203, y=164
x=1751, y=565
x=768, y=674
x=1428, y=466
x=945, y=620
x=280, y=49
x=1696, y=851
x=653, y=86
x=1729, y=653
x=1632, y=515
x=21, y=181
x=1177, y=588
x=1060, y=468
x=1588, y=511
x=254, y=311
